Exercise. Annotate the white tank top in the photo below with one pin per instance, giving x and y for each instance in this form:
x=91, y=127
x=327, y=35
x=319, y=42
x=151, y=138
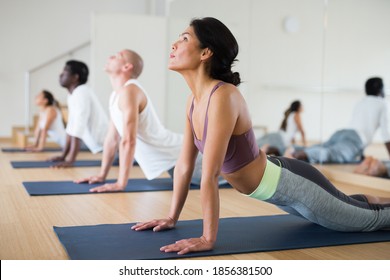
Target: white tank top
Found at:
x=291, y=129
x=369, y=115
x=57, y=130
x=157, y=149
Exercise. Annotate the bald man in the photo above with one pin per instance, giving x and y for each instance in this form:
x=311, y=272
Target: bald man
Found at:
x=135, y=128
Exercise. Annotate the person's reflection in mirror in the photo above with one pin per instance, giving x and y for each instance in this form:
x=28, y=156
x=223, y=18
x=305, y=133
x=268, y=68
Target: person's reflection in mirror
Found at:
x=347, y=145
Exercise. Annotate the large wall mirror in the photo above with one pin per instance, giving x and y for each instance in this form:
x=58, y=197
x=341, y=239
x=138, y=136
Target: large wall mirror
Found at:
x=357, y=47
x=319, y=52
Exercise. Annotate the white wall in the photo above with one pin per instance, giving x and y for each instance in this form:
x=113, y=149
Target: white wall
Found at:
x=357, y=48
x=35, y=31
x=177, y=90
x=144, y=34
x=276, y=66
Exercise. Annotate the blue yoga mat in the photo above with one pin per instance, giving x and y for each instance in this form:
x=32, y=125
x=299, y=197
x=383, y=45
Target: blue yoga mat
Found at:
x=235, y=235
x=47, y=149
x=47, y=164
x=68, y=187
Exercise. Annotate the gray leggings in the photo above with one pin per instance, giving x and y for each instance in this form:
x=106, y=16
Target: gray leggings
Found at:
x=302, y=190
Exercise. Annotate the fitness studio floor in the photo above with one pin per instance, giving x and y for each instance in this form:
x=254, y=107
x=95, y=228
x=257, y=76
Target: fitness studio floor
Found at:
x=26, y=222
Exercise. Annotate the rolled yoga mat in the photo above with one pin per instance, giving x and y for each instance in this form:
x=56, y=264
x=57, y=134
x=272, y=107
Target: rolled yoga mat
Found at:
x=235, y=236
x=47, y=164
x=69, y=187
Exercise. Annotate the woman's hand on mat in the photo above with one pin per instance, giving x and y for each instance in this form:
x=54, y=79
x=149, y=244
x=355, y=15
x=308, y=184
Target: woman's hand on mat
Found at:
x=113, y=187
x=156, y=225
x=185, y=246
x=91, y=180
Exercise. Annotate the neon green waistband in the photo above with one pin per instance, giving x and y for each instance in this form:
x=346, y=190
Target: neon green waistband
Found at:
x=269, y=182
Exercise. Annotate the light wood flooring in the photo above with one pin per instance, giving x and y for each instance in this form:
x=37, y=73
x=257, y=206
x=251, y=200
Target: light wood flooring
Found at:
x=26, y=223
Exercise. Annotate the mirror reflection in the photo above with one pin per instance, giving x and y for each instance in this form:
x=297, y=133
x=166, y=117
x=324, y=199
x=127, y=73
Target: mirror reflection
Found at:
x=320, y=53
x=356, y=75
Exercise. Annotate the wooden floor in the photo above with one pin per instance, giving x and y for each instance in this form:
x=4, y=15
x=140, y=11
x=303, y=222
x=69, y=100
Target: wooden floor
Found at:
x=26, y=223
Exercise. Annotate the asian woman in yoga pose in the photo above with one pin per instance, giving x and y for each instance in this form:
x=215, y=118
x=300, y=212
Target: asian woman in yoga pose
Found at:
x=219, y=126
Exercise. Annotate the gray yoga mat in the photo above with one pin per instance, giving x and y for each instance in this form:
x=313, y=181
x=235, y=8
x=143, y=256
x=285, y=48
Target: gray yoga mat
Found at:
x=69, y=187
x=47, y=164
x=235, y=236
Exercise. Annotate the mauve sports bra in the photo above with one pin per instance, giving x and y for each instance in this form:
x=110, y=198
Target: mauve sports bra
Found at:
x=242, y=149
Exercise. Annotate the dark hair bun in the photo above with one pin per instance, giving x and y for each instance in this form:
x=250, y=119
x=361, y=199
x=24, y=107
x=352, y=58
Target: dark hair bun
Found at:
x=236, y=80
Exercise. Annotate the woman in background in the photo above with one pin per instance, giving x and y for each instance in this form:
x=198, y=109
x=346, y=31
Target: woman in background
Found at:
x=50, y=122
x=292, y=123
x=276, y=143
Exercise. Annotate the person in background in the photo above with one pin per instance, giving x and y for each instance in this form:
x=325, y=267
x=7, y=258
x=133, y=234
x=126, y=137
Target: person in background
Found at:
x=50, y=122
x=276, y=143
x=347, y=145
x=135, y=129
x=87, y=120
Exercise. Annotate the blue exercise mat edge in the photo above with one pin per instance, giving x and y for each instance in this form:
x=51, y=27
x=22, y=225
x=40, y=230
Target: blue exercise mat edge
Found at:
x=45, y=150
x=42, y=188
x=48, y=164
x=236, y=235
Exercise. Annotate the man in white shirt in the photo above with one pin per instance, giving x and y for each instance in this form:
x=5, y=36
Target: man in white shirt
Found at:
x=87, y=121
x=347, y=145
x=135, y=128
